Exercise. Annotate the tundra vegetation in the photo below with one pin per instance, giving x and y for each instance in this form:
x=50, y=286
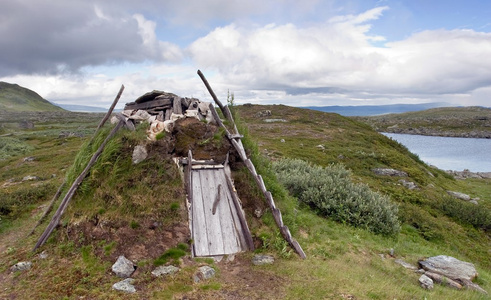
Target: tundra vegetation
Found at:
x=347, y=226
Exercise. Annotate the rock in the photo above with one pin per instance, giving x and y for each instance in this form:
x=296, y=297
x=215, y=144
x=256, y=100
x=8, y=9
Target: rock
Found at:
x=123, y=267
x=408, y=184
x=260, y=260
x=474, y=201
x=125, y=286
x=29, y=158
x=449, y=267
x=264, y=113
x=282, y=140
x=275, y=120
x=459, y=195
x=389, y=172
x=21, y=266
x=321, y=147
x=30, y=178
x=472, y=286
x=443, y=280
x=165, y=270
x=405, y=264
x=204, y=273
x=425, y=282
x=139, y=154
x=43, y=255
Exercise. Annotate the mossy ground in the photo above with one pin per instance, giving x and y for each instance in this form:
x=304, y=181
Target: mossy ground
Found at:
x=117, y=209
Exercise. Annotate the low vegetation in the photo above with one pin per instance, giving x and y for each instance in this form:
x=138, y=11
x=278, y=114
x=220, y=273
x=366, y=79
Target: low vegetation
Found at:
x=331, y=192
x=127, y=209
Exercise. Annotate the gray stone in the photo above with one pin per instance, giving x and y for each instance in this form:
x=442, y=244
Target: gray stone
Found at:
x=282, y=140
x=29, y=158
x=30, y=178
x=449, y=267
x=259, y=260
x=204, y=273
x=139, y=154
x=472, y=286
x=123, y=267
x=320, y=147
x=408, y=184
x=389, y=172
x=165, y=270
x=459, y=195
x=425, y=282
x=274, y=120
x=264, y=113
x=473, y=201
x=43, y=255
x=405, y=264
x=21, y=266
x=443, y=280
x=125, y=286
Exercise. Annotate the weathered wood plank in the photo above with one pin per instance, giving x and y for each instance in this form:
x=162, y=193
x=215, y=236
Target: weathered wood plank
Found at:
x=246, y=234
x=200, y=236
x=208, y=192
x=149, y=105
x=168, y=113
x=176, y=106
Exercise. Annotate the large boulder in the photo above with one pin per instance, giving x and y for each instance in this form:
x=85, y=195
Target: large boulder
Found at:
x=450, y=267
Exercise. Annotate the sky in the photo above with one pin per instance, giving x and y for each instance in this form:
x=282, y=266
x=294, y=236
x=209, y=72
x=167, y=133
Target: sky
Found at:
x=298, y=53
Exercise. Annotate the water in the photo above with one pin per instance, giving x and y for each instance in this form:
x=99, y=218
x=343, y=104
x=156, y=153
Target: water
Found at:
x=449, y=153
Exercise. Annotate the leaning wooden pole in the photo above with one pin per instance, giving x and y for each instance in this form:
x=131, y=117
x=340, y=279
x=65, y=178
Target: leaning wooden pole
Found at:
x=49, y=208
x=103, y=121
x=285, y=232
x=64, y=203
x=223, y=108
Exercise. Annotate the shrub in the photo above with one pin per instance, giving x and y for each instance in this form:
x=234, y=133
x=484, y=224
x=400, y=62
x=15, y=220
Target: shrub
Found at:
x=331, y=191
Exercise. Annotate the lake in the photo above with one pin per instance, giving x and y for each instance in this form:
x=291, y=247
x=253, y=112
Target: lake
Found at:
x=449, y=153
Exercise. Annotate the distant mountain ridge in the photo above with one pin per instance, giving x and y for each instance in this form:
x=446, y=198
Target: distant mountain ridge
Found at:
x=14, y=97
x=82, y=108
x=374, y=110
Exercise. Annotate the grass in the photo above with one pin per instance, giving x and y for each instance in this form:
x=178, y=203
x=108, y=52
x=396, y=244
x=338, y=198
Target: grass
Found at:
x=342, y=261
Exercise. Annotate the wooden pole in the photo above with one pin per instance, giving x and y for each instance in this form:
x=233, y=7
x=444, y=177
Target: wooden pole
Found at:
x=50, y=207
x=103, y=121
x=225, y=112
x=64, y=203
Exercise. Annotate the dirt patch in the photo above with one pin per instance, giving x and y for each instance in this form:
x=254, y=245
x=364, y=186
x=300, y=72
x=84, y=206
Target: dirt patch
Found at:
x=239, y=279
x=148, y=241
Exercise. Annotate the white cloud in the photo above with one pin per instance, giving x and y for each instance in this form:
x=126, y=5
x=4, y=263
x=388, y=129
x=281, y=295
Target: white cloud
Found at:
x=338, y=57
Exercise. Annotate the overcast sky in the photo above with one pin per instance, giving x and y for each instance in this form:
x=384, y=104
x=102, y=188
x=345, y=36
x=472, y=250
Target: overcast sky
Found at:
x=300, y=53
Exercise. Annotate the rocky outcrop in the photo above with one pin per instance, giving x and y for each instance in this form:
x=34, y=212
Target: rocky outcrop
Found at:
x=468, y=174
x=204, y=273
x=389, y=172
x=165, y=270
x=451, y=272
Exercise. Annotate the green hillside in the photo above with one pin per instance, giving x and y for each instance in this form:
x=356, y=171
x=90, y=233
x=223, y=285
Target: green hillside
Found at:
x=16, y=98
x=473, y=121
x=140, y=211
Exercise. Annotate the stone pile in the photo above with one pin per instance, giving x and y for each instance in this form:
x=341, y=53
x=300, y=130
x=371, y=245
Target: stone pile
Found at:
x=161, y=110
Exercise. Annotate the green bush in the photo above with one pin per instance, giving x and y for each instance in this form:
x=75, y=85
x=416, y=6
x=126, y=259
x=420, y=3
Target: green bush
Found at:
x=331, y=191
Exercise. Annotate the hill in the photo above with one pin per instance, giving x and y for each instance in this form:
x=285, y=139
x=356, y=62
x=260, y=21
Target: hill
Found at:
x=16, y=98
x=140, y=211
x=471, y=121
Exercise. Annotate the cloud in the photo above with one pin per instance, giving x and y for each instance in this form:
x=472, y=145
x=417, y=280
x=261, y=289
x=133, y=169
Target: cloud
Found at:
x=48, y=37
x=339, y=57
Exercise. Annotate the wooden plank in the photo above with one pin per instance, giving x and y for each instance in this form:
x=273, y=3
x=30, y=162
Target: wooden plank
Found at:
x=176, y=106
x=208, y=192
x=200, y=236
x=168, y=113
x=149, y=105
x=197, y=167
x=277, y=217
x=240, y=214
